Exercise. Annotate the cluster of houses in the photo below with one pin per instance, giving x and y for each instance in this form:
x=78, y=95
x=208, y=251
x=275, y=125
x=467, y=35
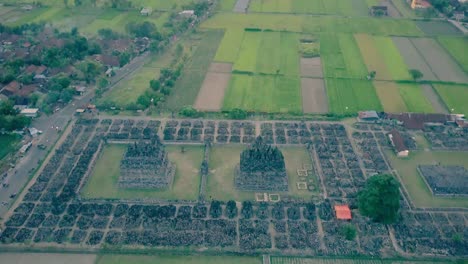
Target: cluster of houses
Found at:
x=26, y=48
x=411, y=121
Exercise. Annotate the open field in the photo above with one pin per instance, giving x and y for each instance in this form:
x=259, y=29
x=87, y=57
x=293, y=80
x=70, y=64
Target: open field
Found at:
x=229, y=47
x=454, y=97
x=355, y=7
x=7, y=144
x=311, y=67
x=436, y=101
x=441, y=63
x=350, y=96
x=420, y=194
x=188, y=85
x=168, y=259
x=314, y=96
x=46, y=258
x=264, y=93
x=341, y=57
x=314, y=24
x=226, y=5
x=211, y=94
x=457, y=48
x=435, y=28
x=224, y=159
x=293, y=260
x=404, y=8
x=390, y=97
x=413, y=58
x=414, y=98
x=103, y=182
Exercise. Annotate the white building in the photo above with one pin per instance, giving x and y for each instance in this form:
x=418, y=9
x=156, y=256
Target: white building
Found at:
x=30, y=112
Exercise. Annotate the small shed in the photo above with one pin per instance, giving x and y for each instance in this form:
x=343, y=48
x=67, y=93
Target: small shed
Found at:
x=80, y=89
x=343, y=212
x=378, y=11
x=368, y=116
x=187, y=13
x=30, y=112
x=146, y=11
x=398, y=143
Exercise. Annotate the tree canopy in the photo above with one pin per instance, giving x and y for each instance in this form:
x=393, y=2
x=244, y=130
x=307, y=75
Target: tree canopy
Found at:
x=380, y=199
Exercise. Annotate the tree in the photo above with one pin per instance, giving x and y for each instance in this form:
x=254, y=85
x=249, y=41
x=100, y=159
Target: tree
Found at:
x=231, y=209
x=348, y=231
x=237, y=113
x=155, y=85
x=189, y=111
x=215, y=209
x=380, y=199
x=247, y=209
x=416, y=74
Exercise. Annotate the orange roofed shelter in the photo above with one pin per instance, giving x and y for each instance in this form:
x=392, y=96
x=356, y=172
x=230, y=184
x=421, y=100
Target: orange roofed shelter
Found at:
x=343, y=212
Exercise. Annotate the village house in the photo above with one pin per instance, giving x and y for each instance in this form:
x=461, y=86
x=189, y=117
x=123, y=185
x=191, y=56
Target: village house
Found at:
x=420, y=4
x=398, y=143
x=11, y=89
x=30, y=112
x=343, y=212
x=146, y=11
x=378, y=11
x=187, y=13
x=80, y=89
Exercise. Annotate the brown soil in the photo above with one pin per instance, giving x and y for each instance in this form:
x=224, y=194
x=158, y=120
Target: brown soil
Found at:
x=211, y=95
x=311, y=67
x=314, y=96
x=220, y=67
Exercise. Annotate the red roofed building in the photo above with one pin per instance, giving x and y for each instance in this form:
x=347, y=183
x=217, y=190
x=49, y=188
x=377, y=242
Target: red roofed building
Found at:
x=342, y=212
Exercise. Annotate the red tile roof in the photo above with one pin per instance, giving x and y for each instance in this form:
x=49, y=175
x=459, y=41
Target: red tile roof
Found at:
x=343, y=212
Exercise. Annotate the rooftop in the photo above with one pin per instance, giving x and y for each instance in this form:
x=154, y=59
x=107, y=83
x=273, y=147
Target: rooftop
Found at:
x=343, y=212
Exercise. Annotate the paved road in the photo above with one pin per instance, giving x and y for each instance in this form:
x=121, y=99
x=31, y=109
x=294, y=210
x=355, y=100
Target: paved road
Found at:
x=19, y=176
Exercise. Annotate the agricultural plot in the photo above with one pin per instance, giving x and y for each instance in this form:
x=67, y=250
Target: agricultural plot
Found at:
x=436, y=28
x=292, y=260
x=161, y=4
x=314, y=96
x=226, y=5
x=311, y=67
x=223, y=162
x=103, y=182
x=264, y=93
x=415, y=98
x=188, y=85
x=229, y=47
x=174, y=259
x=457, y=48
x=355, y=7
x=413, y=58
x=341, y=57
x=454, y=97
x=211, y=95
x=350, y=96
x=390, y=97
x=441, y=63
x=436, y=101
x=419, y=192
x=46, y=258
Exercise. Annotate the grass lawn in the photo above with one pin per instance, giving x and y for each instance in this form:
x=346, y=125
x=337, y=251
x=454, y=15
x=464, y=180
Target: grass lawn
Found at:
x=457, y=48
x=419, y=192
x=454, y=97
x=103, y=182
x=293, y=260
x=168, y=259
x=264, y=93
x=229, y=47
x=223, y=160
x=187, y=86
x=350, y=96
x=7, y=144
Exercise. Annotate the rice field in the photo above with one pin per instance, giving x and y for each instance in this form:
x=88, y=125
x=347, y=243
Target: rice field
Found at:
x=293, y=260
x=454, y=97
x=229, y=47
x=457, y=48
x=354, y=7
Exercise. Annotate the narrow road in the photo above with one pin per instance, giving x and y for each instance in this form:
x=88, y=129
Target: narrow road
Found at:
x=19, y=176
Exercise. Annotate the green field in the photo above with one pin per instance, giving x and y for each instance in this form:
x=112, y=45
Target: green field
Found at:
x=352, y=7
x=223, y=160
x=414, y=98
x=229, y=47
x=187, y=86
x=293, y=260
x=264, y=93
x=103, y=182
x=419, y=193
x=167, y=259
x=8, y=144
x=350, y=96
x=457, y=48
x=454, y=97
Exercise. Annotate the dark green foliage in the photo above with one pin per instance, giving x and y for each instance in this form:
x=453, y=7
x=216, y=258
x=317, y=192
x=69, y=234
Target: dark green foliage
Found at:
x=215, y=209
x=261, y=157
x=189, y=111
x=416, y=74
x=348, y=231
x=231, y=209
x=238, y=114
x=380, y=199
x=10, y=119
x=247, y=209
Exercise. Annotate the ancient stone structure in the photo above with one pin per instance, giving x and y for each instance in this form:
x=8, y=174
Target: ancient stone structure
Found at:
x=261, y=168
x=146, y=165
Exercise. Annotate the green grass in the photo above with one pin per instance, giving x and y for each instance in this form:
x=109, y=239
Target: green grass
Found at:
x=404, y=8
x=226, y=5
x=8, y=143
x=229, y=47
x=223, y=160
x=168, y=259
x=341, y=57
x=264, y=93
x=248, y=55
x=186, y=88
x=454, y=97
x=355, y=7
x=293, y=260
x=417, y=188
x=103, y=182
x=414, y=98
x=350, y=96
x=457, y=48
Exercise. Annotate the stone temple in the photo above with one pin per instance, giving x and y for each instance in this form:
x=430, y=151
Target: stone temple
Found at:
x=261, y=168
x=146, y=165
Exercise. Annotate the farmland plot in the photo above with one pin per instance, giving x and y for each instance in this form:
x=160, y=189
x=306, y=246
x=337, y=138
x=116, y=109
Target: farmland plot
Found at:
x=414, y=98
x=413, y=58
x=457, y=48
x=443, y=66
x=435, y=28
x=229, y=48
x=350, y=96
x=314, y=96
x=247, y=60
x=454, y=96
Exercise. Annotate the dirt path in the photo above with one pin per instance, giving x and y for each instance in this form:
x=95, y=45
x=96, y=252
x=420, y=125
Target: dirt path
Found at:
x=436, y=103
x=320, y=232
